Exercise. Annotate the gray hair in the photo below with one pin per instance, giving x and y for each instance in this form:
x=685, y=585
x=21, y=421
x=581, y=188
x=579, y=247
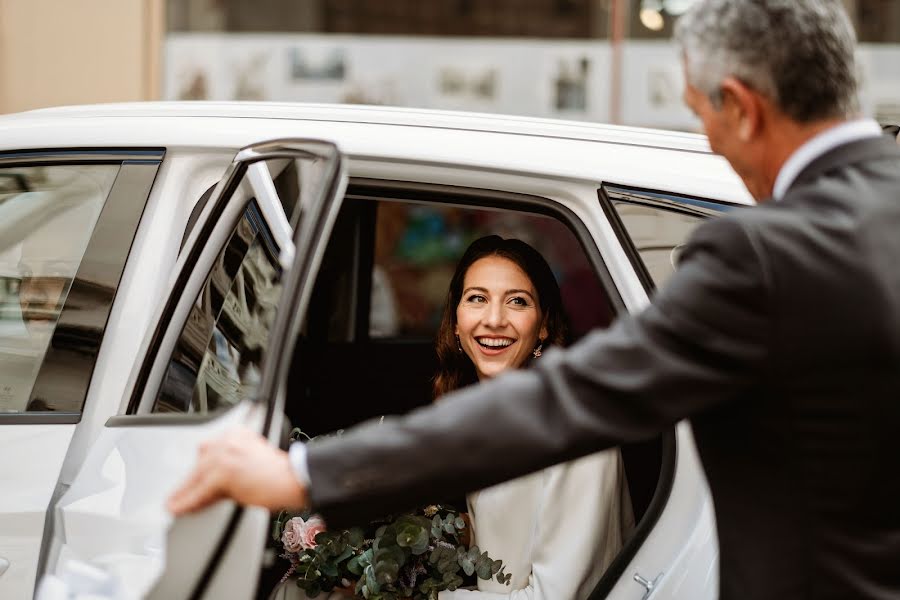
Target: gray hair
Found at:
x=798, y=53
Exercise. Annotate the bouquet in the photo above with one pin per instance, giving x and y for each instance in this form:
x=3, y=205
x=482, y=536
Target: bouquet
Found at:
x=410, y=556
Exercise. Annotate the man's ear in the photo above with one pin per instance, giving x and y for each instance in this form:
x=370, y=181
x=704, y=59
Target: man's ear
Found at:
x=743, y=107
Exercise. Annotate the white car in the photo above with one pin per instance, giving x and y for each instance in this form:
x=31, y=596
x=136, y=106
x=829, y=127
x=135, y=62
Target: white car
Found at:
x=168, y=270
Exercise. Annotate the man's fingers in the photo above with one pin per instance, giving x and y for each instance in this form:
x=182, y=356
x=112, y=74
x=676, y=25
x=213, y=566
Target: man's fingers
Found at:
x=198, y=493
x=203, y=487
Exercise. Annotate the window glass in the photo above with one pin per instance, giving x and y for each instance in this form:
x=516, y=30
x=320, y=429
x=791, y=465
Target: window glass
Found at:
x=218, y=357
x=47, y=217
x=658, y=235
x=417, y=247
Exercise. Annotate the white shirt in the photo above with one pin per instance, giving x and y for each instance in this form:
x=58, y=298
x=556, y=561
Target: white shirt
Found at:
x=818, y=145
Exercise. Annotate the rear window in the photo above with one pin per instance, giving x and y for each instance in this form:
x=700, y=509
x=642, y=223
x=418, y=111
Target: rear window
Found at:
x=47, y=217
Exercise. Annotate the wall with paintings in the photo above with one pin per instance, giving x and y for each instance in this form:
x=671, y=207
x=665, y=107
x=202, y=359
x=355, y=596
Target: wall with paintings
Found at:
x=545, y=78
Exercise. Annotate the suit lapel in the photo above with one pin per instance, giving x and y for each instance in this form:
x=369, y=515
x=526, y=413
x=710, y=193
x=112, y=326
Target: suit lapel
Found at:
x=881, y=147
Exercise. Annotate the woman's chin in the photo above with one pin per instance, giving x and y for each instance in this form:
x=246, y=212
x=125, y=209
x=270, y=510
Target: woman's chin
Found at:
x=489, y=370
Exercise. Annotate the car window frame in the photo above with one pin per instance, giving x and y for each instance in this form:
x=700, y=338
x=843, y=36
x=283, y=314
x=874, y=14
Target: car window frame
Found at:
x=123, y=206
x=211, y=223
x=381, y=190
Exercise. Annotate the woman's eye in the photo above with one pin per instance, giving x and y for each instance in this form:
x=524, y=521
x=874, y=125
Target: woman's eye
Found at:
x=476, y=298
x=518, y=301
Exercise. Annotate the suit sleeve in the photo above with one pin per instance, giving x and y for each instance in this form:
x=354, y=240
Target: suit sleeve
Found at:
x=701, y=342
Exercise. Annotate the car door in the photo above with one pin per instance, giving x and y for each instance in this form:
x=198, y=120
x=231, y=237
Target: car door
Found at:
x=673, y=555
x=67, y=221
x=238, y=291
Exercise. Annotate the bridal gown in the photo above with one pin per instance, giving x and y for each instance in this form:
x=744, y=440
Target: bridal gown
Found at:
x=556, y=530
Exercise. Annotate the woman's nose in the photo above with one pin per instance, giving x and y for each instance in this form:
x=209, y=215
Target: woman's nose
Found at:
x=496, y=316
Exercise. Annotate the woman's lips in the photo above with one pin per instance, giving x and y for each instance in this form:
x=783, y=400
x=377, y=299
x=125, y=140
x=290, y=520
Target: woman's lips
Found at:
x=493, y=350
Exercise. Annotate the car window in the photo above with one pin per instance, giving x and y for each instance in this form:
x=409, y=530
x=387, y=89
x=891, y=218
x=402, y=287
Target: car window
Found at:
x=367, y=348
x=658, y=235
x=47, y=216
x=417, y=247
x=656, y=226
x=217, y=359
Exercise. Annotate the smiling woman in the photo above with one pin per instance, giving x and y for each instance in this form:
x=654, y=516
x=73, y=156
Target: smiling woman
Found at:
x=502, y=306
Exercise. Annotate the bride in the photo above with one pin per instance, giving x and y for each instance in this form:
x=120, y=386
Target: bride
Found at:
x=556, y=530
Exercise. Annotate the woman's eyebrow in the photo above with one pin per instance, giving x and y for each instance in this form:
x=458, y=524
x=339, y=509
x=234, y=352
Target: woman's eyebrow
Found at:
x=526, y=292
x=474, y=289
x=507, y=293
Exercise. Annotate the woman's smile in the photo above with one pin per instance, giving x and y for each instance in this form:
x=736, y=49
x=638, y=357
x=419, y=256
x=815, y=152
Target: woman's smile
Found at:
x=493, y=346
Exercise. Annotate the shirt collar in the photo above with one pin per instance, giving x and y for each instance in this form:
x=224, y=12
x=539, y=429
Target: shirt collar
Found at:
x=831, y=138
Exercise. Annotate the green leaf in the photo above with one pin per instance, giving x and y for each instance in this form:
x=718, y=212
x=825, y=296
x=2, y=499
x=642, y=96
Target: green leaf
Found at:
x=356, y=537
x=460, y=523
x=371, y=581
x=330, y=569
x=413, y=537
x=347, y=553
x=467, y=565
x=354, y=566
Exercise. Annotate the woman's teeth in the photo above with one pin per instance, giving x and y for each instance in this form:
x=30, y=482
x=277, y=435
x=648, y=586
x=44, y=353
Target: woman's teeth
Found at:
x=495, y=343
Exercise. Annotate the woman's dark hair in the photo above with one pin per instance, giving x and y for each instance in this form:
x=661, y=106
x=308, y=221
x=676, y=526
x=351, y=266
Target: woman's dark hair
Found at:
x=455, y=369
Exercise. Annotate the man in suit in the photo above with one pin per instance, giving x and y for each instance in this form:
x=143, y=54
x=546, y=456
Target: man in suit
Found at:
x=778, y=337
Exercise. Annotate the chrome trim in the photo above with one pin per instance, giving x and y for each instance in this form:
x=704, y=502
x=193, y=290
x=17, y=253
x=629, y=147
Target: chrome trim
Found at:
x=51, y=156
x=619, y=195
x=288, y=148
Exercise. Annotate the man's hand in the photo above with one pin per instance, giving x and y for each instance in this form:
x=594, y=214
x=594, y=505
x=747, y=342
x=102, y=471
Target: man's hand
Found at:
x=242, y=466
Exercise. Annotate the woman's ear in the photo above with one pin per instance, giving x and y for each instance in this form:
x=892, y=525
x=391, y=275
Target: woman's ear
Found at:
x=543, y=334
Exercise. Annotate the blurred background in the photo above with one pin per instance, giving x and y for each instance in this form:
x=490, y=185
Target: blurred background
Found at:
x=598, y=60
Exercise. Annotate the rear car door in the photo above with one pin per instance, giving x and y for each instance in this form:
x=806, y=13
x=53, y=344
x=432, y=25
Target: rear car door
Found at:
x=239, y=290
x=67, y=222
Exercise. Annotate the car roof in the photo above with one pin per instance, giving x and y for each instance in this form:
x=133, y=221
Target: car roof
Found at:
x=513, y=143
x=386, y=115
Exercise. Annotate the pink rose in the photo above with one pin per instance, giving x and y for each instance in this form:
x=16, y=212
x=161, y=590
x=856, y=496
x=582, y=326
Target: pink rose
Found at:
x=299, y=534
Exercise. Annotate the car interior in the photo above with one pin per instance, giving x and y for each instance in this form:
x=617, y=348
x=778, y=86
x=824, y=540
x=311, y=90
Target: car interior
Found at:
x=366, y=348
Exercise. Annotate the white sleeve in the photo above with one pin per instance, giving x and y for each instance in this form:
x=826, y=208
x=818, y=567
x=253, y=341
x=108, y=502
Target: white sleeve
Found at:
x=579, y=532
x=297, y=457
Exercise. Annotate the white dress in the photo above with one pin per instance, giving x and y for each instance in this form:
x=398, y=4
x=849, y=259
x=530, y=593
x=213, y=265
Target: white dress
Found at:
x=556, y=530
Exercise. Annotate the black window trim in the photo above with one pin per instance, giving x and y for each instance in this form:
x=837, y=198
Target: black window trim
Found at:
x=125, y=203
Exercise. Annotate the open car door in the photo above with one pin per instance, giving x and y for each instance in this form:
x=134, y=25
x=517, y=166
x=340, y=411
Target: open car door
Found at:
x=241, y=289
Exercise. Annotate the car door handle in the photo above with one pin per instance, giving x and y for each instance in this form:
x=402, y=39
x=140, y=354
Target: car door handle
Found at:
x=649, y=586
x=4, y=565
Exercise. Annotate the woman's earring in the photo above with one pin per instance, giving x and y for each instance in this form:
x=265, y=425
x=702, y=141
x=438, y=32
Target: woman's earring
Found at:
x=458, y=344
x=537, y=351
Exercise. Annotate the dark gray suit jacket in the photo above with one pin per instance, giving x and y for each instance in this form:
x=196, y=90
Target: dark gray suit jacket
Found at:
x=778, y=337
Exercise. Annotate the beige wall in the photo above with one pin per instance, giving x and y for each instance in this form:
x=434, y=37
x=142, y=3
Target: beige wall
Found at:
x=55, y=52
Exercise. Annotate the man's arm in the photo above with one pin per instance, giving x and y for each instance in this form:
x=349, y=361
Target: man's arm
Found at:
x=704, y=339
